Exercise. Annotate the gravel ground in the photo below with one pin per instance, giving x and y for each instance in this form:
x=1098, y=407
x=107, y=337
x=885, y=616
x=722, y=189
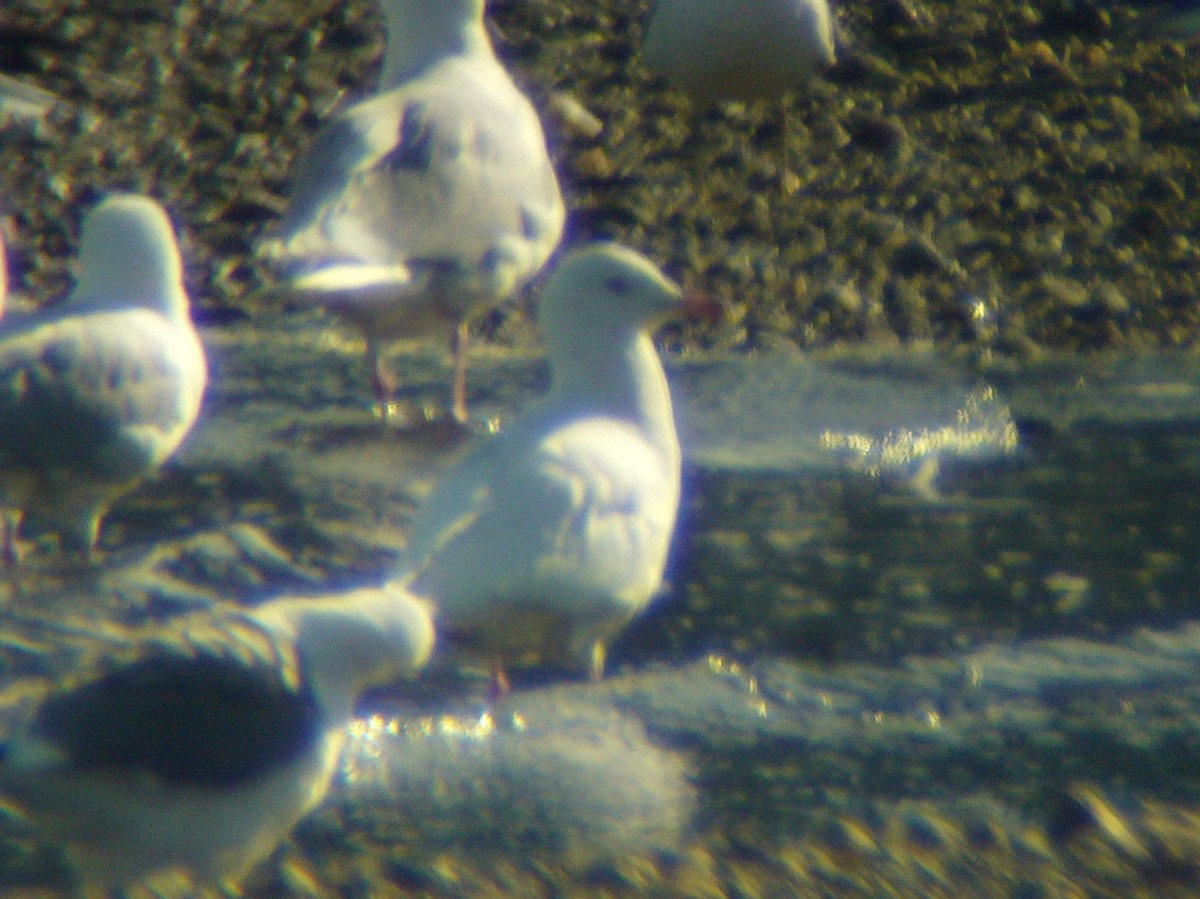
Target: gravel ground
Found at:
x=998, y=177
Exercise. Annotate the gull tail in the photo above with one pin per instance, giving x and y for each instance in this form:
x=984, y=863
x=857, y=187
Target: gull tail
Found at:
x=357, y=282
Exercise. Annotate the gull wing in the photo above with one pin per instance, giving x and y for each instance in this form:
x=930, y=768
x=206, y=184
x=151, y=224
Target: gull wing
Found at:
x=449, y=168
x=103, y=395
x=583, y=518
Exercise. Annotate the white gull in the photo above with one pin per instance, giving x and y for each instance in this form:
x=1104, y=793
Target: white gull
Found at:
x=181, y=756
x=739, y=49
x=430, y=202
x=96, y=392
x=544, y=540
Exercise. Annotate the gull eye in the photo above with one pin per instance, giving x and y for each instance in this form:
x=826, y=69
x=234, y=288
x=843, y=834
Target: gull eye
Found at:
x=617, y=284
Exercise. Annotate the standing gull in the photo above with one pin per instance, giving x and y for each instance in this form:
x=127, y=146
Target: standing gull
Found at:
x=97, y=391
x=739, y=49
x=189, y=753
x=544, y=540
x=428, y=203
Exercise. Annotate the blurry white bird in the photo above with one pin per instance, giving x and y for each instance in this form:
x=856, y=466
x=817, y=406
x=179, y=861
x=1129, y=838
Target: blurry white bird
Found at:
x=738, y=49
x=97, y=391
x=428, y=203
x=186, y=755
x=544, y=540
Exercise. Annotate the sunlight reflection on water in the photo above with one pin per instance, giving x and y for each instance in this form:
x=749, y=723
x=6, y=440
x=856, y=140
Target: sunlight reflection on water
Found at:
x=556, y=771
x=793, y=413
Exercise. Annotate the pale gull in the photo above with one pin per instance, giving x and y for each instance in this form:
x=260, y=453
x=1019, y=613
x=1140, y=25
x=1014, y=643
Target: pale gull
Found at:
x=182, y=756
x=545, y=539
x=97, y=391
x=739, y=49
x=428, y=203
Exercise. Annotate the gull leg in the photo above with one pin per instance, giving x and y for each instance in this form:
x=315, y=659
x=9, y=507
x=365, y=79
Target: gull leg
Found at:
x=79, y=536
x=458, y=354
x=499, y=687
x=8, y=539
x=383, y=381
x=596, y=668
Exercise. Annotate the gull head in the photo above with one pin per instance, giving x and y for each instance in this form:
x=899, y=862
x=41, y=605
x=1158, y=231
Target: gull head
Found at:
x=605, y=289
x=421, y=32
x=128, y=256
x=348, y=642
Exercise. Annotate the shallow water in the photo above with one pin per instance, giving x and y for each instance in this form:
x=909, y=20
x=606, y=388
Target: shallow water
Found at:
x=952, y=673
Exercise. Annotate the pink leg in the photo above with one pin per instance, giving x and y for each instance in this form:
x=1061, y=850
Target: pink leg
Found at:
x=9, y=550
x=458, y=354
x=383, y=381
x=8, y=540
x=499, y=686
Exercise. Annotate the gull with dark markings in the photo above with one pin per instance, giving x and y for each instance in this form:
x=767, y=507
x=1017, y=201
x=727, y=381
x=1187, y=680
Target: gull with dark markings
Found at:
x=96, y=392
x=545, y=539
x=185, y=755
x=433, y=200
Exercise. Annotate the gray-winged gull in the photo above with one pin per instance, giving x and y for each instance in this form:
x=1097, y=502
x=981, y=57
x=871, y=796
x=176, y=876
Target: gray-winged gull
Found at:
x=97, y=391
x=186, y=754
x=431, y=201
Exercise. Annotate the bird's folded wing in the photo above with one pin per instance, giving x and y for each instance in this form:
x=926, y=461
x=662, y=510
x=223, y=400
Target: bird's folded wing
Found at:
x=208, y=701
x=448, y=167
x=619, y=498
x=591, y=506
x=103, y=395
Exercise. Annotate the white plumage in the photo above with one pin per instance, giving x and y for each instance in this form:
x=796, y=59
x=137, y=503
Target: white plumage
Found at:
x=96, y=392
x=429, y=202
x=185, y=755
x=739, y=49
x=543, y=541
